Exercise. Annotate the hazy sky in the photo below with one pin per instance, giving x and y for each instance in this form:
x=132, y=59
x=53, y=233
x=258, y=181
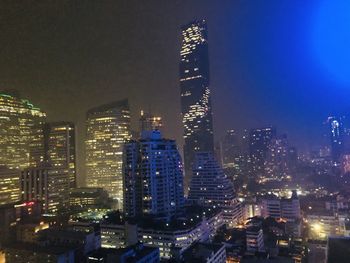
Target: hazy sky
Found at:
x=69, y=56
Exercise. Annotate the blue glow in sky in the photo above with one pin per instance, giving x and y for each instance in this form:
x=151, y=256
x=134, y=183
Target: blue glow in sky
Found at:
x=332, y=38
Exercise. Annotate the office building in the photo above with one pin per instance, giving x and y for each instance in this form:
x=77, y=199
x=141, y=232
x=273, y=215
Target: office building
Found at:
x=284, y=209
x=322, y=224
x=259, y=140
x=12, y=214
x=281, y=159
x=230, y=149
x=21, y=132
x=48, y=185
x=255, y=239
x=115, y=231
x=195, y=224
x=176, y=235
x=88, y=197
x=153, y=176
x=195, y=93
x=27, y=229
x=86, y=241
x=149, y=122
x=108, y=128
x=281, y=208
x=209, y=184
x=60, y=147
x=211, y=187
x=9, y=185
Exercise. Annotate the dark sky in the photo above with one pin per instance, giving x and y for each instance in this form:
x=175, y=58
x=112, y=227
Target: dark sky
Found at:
x=68, y=56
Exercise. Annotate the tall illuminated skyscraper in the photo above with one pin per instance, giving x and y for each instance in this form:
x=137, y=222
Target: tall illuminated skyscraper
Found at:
x=21, y=132
x=60, y=147
x=337, y=133
x=108, y=128
x=195, y=93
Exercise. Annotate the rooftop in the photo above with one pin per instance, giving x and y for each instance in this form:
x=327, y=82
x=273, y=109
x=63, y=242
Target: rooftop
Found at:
x=199, y=252
x=133, y=253
x=55, y=250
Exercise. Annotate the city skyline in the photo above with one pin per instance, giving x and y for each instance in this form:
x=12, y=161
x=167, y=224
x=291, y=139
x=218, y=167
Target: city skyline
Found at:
x=174, y=131
x=280, y=73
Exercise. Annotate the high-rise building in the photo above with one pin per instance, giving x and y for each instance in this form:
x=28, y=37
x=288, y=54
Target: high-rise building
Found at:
x=195, y=93
x=280, y=160
x=48, y=185
x=337, y=133
x=108, y=128
x=211, y=187
x=21, y=132
x=209, y=184
x=153, y=176
x=149, y=122
x=287, y=209
x=259, y=140
x=230, y=149
x=9, y=185
x=60, y=147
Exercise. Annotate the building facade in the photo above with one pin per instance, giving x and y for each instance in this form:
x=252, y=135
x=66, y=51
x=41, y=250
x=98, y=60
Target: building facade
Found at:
x=179, y=238
x=281, y=208
x=149, y=122
x=88, y=197
x=230, y=149
x=48, y=185
x=255, y=239
x=211, y=187
x=281, y=160
x=259, y=140
x=195, y=93
x=153, y=176
x=209, y=184
x=60, y=147
x=108, y=128
x=9, y=185
x=21, y=132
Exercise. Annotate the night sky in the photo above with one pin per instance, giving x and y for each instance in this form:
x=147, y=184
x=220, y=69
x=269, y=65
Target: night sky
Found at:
x=69, y=56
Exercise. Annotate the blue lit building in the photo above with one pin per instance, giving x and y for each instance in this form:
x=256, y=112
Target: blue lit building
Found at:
x=153, y=177
x=337, y=135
